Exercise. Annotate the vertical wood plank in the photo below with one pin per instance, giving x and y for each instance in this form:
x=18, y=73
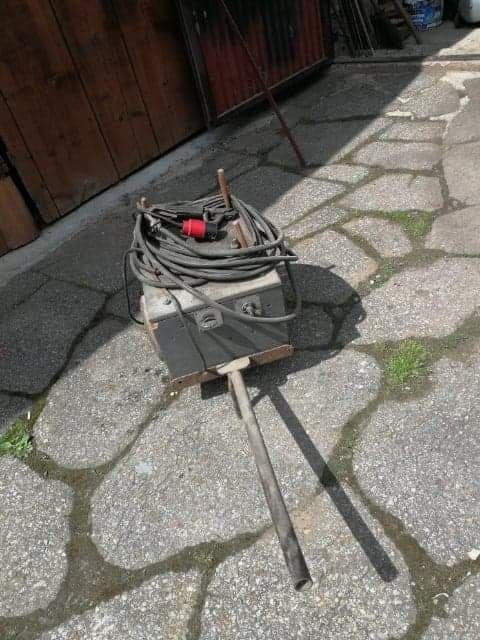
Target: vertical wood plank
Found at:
x=16, y=224
x=96, y=44
x=158, y=54
x=3, y=245
x=43, y=90
x=21, y=158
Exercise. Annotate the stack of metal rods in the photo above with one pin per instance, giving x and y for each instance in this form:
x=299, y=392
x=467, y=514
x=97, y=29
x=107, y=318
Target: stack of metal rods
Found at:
x=354, y=21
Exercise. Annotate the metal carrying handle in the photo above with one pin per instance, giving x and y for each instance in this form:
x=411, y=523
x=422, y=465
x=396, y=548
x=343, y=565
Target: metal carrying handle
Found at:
x=287, y=537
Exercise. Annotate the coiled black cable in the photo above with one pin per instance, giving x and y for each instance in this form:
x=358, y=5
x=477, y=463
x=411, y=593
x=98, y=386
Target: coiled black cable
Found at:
x=162, y=257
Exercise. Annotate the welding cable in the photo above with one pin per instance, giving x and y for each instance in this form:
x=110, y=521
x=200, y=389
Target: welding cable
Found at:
x=159, y=257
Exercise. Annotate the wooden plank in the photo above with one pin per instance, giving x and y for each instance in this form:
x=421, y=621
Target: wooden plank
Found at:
x=44, y=92
x=3, y=167
x=3, y=245
x=16, y=224
x=96, y=44
x=158, y=54
x=22, y=160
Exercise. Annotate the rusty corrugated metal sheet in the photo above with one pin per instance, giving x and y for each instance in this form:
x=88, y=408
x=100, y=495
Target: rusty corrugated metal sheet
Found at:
x=288, y=38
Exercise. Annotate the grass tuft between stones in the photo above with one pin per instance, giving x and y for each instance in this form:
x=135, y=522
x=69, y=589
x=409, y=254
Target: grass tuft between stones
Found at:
x=406, y=364
x=17, y=441
x=417, y=225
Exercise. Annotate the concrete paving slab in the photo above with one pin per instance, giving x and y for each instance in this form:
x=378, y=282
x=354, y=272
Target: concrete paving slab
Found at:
x=409, y=131
x=316, y=221
x=359, y=97
x=20, y=289
x=33, y=535
x=419, y=460
x=330, y=267
x=472, y=87
x=386, y=237
x=314, y=328
x=429, y=301
x=191, y=478
x=457, y=232
x=112, y=384
x=257, y=141
x=93, y=257
x=251, y=597
x=117, y=304
x=461, y=79
x=160, y=608
x=401, y=82
x=435, y=100
x=11, y=408
x=281, y=196
x=465, y=127
x=348, y=173
x=396, y=192
x=463, y=618
x=461, y=164
x=198, y=177
x=398, y=155
x=328, y=141
x=36, y=336
x=315, y=89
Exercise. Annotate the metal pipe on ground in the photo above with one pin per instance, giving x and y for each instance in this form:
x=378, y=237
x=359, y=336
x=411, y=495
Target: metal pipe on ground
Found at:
x=287, y=537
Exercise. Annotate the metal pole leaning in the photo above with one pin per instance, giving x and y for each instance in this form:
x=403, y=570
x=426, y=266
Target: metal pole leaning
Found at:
x=287, y=537
x=263, y=83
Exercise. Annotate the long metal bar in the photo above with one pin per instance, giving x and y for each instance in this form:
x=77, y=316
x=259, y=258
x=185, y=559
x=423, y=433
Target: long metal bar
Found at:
x=263, y=82
x=408, y=20
x=287, y=537
x=364, y=26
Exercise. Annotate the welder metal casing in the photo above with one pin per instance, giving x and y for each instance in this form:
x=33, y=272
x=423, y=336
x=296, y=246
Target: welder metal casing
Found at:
x=219, y=337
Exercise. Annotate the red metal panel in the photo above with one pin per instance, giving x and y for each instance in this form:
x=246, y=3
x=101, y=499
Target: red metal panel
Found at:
x=288, y=38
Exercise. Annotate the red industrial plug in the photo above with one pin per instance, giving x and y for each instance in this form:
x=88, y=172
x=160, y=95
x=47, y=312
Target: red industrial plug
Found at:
x=199, y=229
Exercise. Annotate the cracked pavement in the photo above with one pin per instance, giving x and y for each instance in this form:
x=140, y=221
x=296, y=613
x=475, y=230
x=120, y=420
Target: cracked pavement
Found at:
x=137, y=514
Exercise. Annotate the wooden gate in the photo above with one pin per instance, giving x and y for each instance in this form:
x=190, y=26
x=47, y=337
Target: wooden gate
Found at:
x=89, y=92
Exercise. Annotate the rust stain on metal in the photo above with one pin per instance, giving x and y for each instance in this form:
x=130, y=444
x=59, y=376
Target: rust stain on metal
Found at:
x=286, y=37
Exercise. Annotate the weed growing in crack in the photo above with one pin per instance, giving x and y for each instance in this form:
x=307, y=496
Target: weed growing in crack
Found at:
x=406, y=363
x=17, y=441
x=417, y=225
x=385, y=273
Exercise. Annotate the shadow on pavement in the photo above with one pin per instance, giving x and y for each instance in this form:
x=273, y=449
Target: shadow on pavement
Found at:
x=359, y=529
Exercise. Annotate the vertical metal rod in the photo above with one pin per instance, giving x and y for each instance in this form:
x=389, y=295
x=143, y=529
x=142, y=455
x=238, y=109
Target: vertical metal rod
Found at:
x=224, y=190
x=265, y=87
x=406, y=16
x=364, y=26
x=287, y=537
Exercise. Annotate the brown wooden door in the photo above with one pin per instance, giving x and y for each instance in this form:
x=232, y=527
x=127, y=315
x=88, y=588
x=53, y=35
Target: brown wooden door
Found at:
x=89, y=92
x=99, y=52
x=158, y=54
x=42, y=89
x=17, y=226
